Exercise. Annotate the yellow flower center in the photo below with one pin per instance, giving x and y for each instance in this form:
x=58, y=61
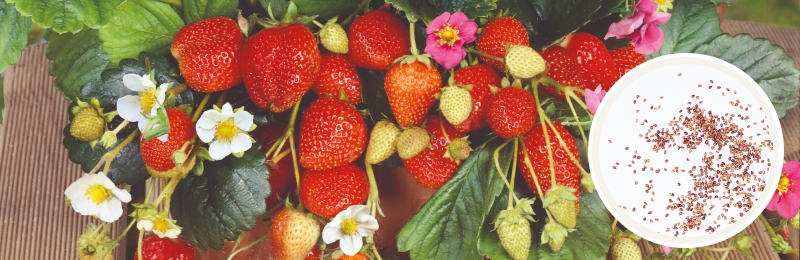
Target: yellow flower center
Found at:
x=149, y=98
x=349, y=226
x=98, y=194
x=161, y=224
x=661, y=2
x=226, y=131
x=447, y=35
x=783, y=185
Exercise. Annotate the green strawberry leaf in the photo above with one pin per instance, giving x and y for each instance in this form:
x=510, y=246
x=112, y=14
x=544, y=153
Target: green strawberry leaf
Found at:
x=448, y=225
x=196, y=10
x=607, y=8
x=13, y=34
x=68, y=15
x=766, y=63
x=140, y=26
x=559, y=110
x=278, y=7
x=127, y=167
x=692, y=24
x=472, y=8
x=522, y=10
x=225, y=200
x=416, y=9
x=599, y=28
x=326, y=9
x=77, y=59
x=555, y=19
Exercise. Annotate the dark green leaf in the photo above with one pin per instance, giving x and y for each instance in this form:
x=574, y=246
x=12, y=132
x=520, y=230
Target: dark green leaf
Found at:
x=13, y=34
x=326, y=9
x=225, y=200
x=278, y=7
x=127, y=167
x=599, y=28
x=590, y=240
x=692, y=24
x=472, y=8
x=374, y=94
x=559, y=110
x=416, y=9
x=68, y=15
x=140, y=26
x=77, y=59
x=448, y=225
x=554, y=19
x=607, y=8
x=196, y=10
x=766, y=63
x=522, y=10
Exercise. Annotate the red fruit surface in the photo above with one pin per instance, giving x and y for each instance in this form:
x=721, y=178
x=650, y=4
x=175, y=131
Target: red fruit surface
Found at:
x=497, y=34
x=279, y=65
x=593, y=58
x=480, y=77
x=332, y=134
x=281, y=174
x=511, y=112
x=377, y=39
x=328, y=192
x=358, y=256
x=315, y=254
x=157, y=154
x=209, y=53
x=567, y=173
x=338, y=74
x=626, y=58
x=429, y=167
x=155, y=248
x=411, y=90
x=564, y=69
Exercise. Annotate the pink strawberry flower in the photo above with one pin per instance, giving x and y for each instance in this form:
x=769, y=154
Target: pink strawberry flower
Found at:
x=642, y=27
x=666, y=249
x=786, y=199
x=593, y=98
x=447, y=35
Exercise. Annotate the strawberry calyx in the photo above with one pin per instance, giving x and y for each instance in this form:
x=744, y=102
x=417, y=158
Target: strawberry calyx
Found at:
x=554, y=234
x=458, y=150
x=289, y=17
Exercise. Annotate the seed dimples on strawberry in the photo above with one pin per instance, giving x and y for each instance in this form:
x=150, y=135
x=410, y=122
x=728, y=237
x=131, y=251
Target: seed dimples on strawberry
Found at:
x=480, y=77
x=511, y=112
x=328, y=192
x=157, y=155
x=338, y=74
x=332, y=134
x=430, y=168
x=209, y=53
x=377, y=39
x=498, y=33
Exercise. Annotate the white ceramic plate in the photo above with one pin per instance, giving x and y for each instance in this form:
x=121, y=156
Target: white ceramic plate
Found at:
x=660, y=91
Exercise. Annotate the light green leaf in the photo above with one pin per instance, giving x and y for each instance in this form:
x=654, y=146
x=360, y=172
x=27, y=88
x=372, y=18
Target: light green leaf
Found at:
x=554, y=19
x=77, y=59
x=766, y=63
x=472, y=8
x=196, y=10
x=13, y=34
x=278, y=7
x=692, y=24
x=68, y=15
x=326, y=9
x=448, y=225
x=227, y=199
x=140, y=26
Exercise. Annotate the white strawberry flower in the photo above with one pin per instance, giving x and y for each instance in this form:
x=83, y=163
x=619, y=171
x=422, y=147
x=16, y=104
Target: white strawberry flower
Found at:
x=225, y=130
x=96, y=195
x=349, y=227
x=145, y=103
x=161, y=226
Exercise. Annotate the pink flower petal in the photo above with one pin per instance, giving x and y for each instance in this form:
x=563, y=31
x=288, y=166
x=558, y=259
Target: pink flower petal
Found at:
x=466, y=27
x=625, y=27
x=651, y=39
x=448, y=57
x=666, y=249
x=593, y=98
x=773, y=202
x=647, y=7
x=792, y=170
x=438, y=23
x=789, y=206
x=658, y=18
x=432, y=44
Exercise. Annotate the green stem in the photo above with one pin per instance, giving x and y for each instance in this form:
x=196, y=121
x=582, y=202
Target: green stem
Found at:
x=575, y=114
x=175, y=3
x=318, y=24
x=542, y=118
x=120, y=126
x=294, y=161
x=613, y=226
x=149, y=190
x=110, y=155
x=200, y=107
x=533, y=174
x=767, y=226
x=793, y=251
x=513, y=171
x=249, y=245
x=496, y=157
x=374, y=199
x=414, y=50
x=706, y=256
x=139, y=246
x=485, y=55
x=715, y=249
x=118, y=239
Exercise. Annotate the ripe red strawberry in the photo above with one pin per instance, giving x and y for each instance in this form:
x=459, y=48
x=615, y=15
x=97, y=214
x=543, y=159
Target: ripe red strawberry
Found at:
x=480, y=77
x=279, y=65
x=332, y=134
x=511, y=112
x=358, y=256
x=314, y=254
x=564, y=69
x=626, y=58
x=377, y=39
x=593, y=58
x=338, y=74
x=281, y=174
x=157, y=155
x=294, y=233
x=155, y=248
x=430, y=168
x=411, y=90
x=498, y=33
x=567, y=173
x=328, y=192
x=208, y=53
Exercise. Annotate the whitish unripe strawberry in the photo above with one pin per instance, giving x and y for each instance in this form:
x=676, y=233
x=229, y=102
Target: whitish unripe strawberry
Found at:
x=625, y=249
x=88, y=125
x=334, y=37
x=514, y=230
x=456, y=104
x=564, y=212
x=412, y=141
x=458, y=149
x=523, y=62
x=382, y=142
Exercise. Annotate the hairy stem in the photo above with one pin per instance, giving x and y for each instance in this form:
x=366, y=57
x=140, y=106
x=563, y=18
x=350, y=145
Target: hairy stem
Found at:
x=200, y=107
x=110, y=155
x=485, y=55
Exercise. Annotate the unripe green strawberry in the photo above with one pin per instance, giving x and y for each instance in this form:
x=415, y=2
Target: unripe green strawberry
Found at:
x=514, y=231
x=333, y=37
x=564, y=212
x=554, y=235
x=88, y=125
x=412, y=141
x=458, y=149
x=456, y=104
x=382, y=142
x=523, y=62
x=795, y=222
x=625, y=249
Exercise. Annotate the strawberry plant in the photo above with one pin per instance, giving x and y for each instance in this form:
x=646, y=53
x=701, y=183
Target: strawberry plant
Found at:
x=290, y=112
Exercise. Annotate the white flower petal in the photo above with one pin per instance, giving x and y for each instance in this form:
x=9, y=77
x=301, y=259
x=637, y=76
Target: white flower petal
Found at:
x=77, y=188
x=209, y=120
x=145, y=225
x=243, y=120
x=134, y=82
x=122, y=195
x=83, y=205
x=227, y=110
x=130, y=108
x=163, y=138
x=143, y=124
x=172, y=233
x=218, y=150
x=206, y=135
x=110, y=211
x=351, y=244
x=367, y=228
x=241, y=143
x=162, y=92
x=331, y=233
